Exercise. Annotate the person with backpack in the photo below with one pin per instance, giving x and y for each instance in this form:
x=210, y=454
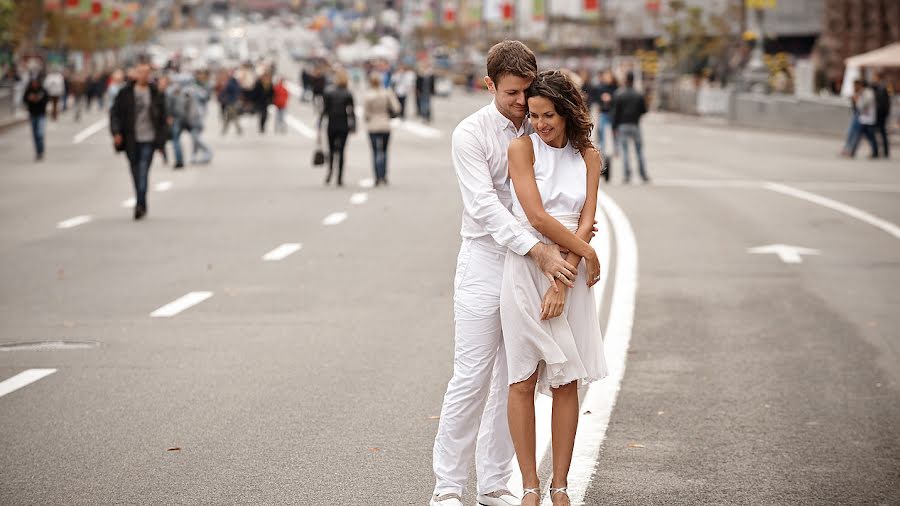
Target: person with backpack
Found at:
x=280, y=100
x=380, y=105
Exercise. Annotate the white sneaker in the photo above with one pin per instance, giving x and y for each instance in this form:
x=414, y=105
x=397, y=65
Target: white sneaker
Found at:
x=498, y=498
x=450, y=499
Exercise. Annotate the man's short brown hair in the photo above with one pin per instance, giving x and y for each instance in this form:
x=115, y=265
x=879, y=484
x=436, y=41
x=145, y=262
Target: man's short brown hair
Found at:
x=511, y=57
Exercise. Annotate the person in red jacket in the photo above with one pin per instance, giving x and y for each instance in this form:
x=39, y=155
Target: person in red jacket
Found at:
x=280, y=99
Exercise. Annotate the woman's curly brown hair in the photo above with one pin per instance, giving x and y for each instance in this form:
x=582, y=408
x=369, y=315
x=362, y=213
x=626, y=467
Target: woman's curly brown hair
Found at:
x=556, y=87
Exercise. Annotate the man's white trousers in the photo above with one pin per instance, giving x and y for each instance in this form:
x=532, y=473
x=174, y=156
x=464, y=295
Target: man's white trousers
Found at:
x=473, y=417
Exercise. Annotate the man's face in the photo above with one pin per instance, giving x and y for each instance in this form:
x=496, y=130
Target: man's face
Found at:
x=509, y=95
x=142, y=73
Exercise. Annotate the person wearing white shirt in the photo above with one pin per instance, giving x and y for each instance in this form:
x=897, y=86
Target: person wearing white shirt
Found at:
x=473, y=418
x=55, y=84
x=404, y=82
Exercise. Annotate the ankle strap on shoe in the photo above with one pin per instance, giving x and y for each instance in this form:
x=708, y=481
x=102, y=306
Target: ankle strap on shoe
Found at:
x=560, y=490
x=535, y=491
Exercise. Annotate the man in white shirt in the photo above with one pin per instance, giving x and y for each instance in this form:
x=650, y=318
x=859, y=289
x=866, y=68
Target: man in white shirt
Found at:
x=474, y=406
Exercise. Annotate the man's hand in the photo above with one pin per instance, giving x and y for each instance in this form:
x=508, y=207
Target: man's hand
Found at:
x=117, y=140
x=553, y=265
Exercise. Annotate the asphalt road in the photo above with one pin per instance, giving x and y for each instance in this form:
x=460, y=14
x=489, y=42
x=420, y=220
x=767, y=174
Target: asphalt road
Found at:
x=318, y=378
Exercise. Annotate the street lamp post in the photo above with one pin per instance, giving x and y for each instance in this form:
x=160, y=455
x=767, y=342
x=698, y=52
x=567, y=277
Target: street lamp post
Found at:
x=756, y=75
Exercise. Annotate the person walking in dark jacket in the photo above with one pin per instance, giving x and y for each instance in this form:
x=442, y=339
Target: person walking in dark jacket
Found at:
x=424, y=92
x=263, y=94
x=603, y=95
x=627, y=108
x=882, y=111
x=36, y=99
x=137, y=121
x=338, y=108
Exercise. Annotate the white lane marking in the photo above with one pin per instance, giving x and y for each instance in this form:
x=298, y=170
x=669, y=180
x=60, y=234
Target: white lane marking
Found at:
x=22, y=379
x=301, y=127
x=709, y=183
x=851, y=211
x=129, y=202
x=600, y=397
x=293, y=88
x=334, y=218
x=89, y=131
x=282, y=251
x=359, y=198
x=416, y=128
x=787, y=254
x=543, y=404
x=163, y=186
x=367, y=183
x=74, y=222
x=180, y=304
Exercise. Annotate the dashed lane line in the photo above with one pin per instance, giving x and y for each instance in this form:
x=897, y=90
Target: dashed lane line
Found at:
x=90, y=130
x=180, y=304
x=74, y=221
x=22, y=379
x=334, y=218
x=282, y=252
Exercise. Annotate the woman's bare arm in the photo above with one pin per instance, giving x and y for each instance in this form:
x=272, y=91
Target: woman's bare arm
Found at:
x=521, y=171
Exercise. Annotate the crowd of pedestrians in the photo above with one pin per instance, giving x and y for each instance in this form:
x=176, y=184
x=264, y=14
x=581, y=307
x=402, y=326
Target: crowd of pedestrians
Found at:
x=620, y=111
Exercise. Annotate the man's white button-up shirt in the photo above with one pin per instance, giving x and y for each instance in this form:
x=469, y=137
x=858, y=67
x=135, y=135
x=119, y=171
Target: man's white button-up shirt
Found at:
x=480, y=144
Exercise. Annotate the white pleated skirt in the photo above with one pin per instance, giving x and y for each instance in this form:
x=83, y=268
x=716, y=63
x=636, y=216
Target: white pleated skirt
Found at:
x=563, y=349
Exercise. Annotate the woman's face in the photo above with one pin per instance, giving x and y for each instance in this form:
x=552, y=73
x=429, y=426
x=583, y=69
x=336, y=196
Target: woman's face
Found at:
x=547, y=122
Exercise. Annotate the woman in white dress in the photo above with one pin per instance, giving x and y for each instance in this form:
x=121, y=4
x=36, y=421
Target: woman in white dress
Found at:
x=551, y=332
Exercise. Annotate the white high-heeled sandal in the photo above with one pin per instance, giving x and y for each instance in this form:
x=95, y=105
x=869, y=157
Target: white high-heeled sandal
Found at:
x=560, y=490
x=535, y=491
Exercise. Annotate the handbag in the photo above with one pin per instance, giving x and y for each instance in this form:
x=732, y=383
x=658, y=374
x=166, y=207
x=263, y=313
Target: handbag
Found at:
x=319, y=153
x=390, y=107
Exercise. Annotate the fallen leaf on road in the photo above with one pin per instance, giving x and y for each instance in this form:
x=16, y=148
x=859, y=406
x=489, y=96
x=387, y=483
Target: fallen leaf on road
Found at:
x=660, y=413
x=174, y=449
x=434, y=417
x=635, y=445
x=374, y=450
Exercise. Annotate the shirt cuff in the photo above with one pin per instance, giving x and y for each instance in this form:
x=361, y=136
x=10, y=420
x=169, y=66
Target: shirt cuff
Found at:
x=523, y=244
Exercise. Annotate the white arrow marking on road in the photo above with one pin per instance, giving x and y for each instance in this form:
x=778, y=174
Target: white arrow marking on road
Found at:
x=787, y=254
x=163, y=186
x=334, y=218
x=180, y=304
x=22, y=379
x=74, y=222
x=366, y=183
x=129, y=202
x=301, y=127
x=851, y=211
x=89, y=131
x=282, y=251
x=359, y=198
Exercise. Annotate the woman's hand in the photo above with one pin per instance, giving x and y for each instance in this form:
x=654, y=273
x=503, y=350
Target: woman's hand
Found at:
x=593, y=268
x=553, y=303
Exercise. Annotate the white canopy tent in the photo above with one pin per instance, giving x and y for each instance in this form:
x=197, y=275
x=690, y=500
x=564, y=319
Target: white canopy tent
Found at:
x=887, y=56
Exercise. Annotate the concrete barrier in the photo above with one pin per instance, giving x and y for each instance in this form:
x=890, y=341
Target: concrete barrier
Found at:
x=821, y=115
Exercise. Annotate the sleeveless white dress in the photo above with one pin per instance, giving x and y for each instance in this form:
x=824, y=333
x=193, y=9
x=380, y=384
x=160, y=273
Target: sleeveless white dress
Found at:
x=569, y=347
